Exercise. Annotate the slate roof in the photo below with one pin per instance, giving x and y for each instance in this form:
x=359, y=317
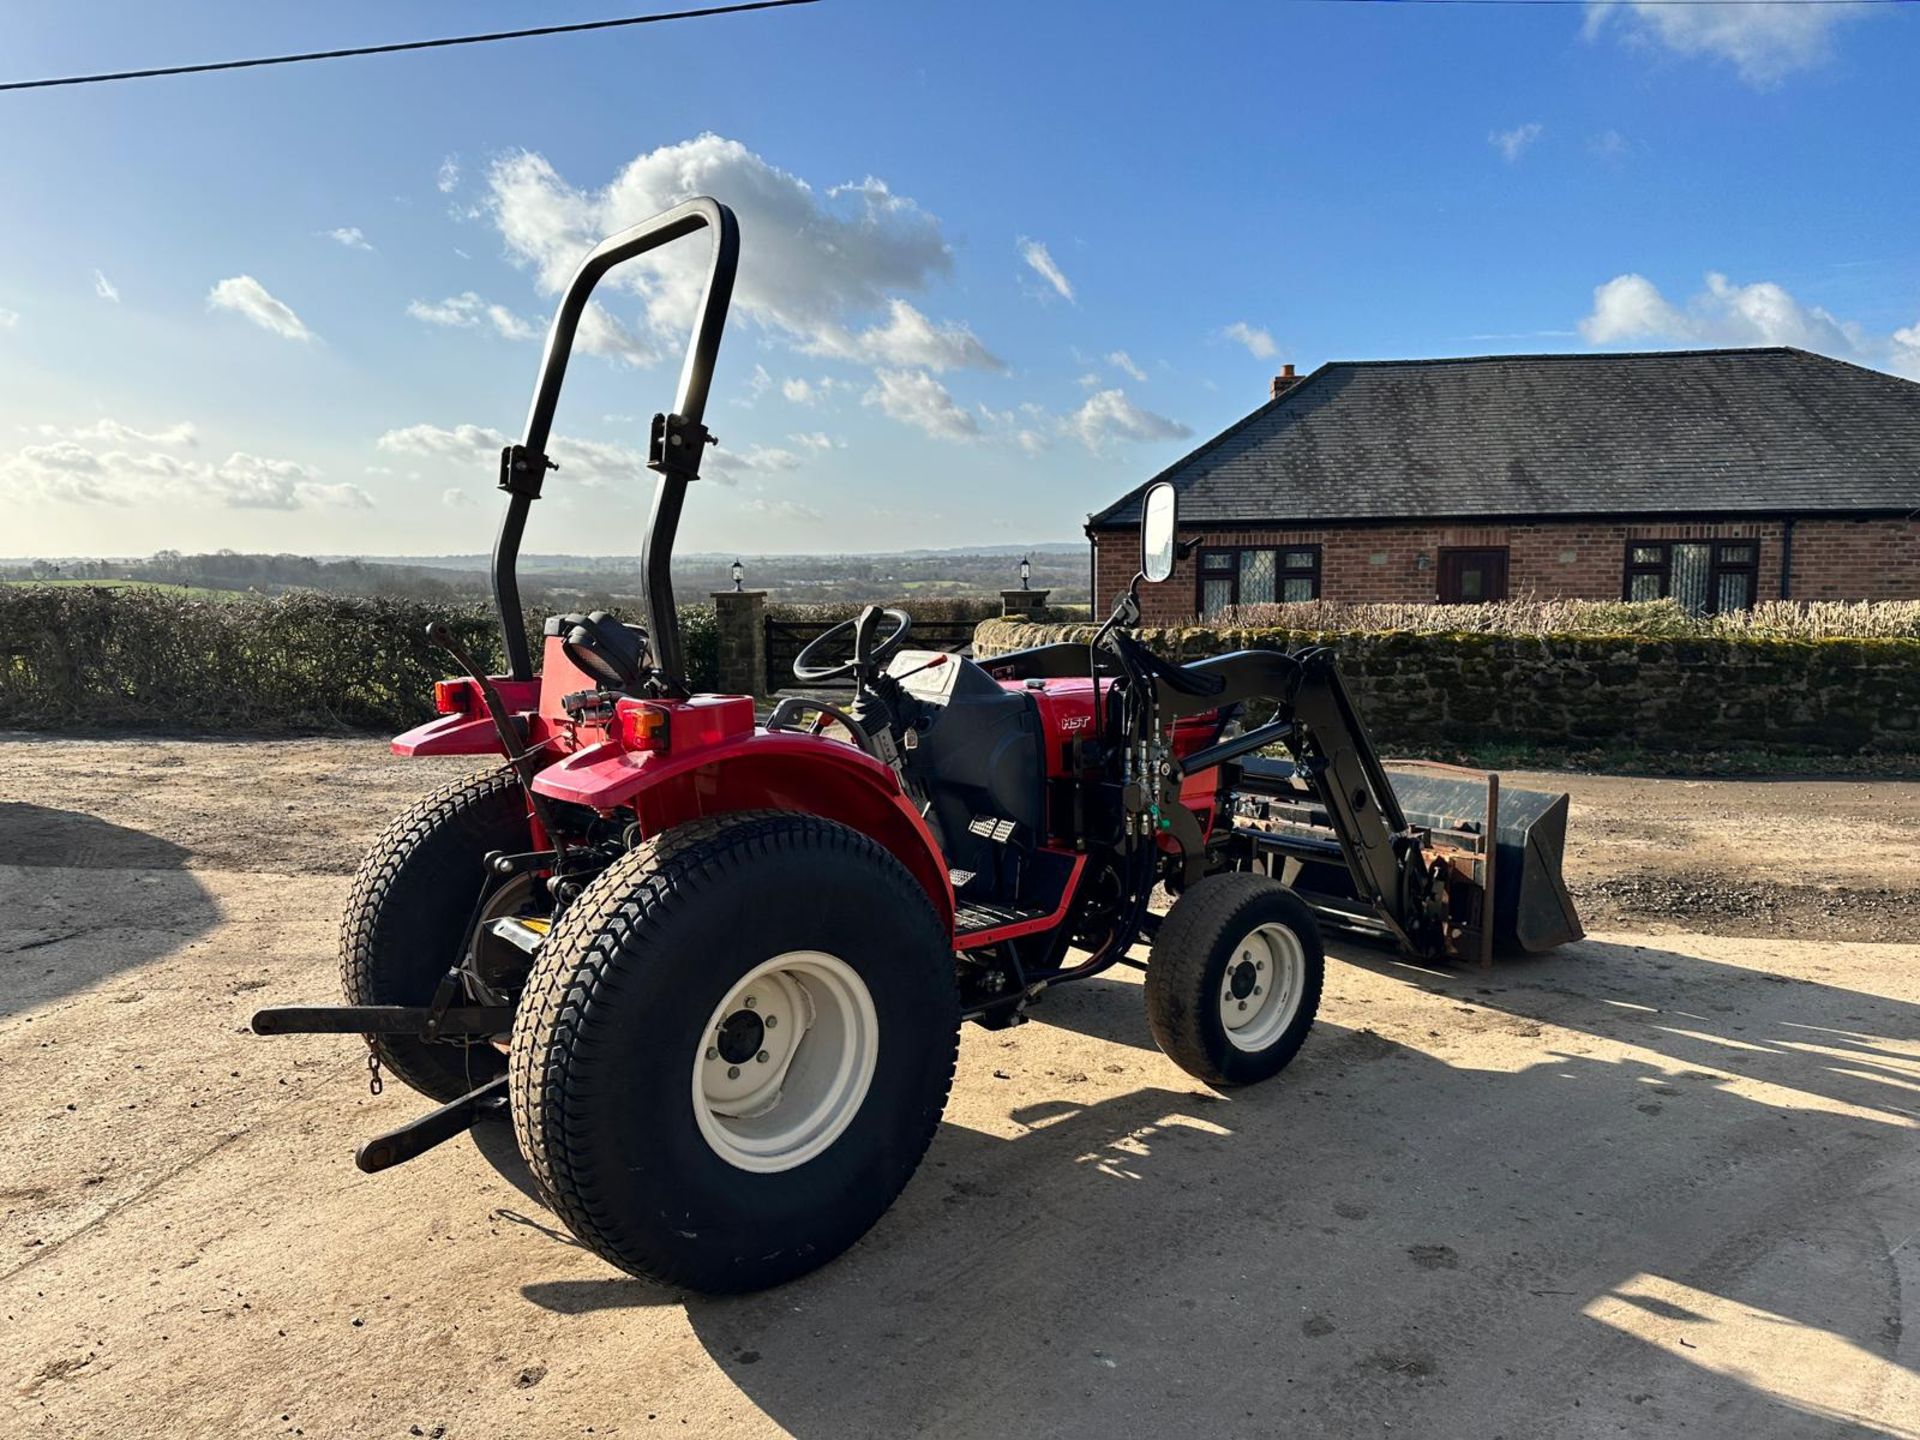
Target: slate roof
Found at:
x=1768, y=431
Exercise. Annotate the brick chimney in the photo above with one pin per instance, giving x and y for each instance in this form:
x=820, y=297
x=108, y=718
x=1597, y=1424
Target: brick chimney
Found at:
x=1284, y=381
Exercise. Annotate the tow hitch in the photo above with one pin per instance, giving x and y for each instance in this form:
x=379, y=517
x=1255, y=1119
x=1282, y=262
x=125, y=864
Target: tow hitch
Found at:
x=454, y=1022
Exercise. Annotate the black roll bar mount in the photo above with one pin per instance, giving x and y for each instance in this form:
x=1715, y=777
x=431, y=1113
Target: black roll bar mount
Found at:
x=675, y=446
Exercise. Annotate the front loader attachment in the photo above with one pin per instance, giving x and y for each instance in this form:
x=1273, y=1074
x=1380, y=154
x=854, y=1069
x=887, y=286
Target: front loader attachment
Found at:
x=1532, y=910
x=1498, y=851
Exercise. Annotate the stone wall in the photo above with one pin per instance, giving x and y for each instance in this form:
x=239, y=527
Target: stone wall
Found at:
x=1562, y=560
x=1836, y=696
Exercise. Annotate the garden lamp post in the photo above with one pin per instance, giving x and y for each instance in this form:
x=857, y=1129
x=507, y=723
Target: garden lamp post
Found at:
x=739, y=574
x=1026, y=571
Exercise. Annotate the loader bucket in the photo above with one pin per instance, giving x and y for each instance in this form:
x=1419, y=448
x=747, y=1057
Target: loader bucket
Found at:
x=1532, y=910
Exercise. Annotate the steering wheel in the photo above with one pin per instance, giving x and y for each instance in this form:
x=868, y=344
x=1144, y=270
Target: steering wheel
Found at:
x=809, y=666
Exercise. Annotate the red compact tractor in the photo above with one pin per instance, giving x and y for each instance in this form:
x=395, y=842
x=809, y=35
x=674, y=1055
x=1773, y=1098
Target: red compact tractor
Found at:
x=715, y=969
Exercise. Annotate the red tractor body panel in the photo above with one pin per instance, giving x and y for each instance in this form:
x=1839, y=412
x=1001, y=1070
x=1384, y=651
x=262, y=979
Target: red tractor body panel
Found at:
x=1066, y=714
x=716, y=764
x=713, y=761
x=1200, y=791
x=466, y=731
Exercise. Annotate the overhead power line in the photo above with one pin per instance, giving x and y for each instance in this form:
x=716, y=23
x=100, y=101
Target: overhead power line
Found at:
x=445, y=42
x=439, y=44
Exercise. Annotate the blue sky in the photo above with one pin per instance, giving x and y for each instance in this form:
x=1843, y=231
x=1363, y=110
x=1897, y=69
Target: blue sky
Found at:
x=1002, y=261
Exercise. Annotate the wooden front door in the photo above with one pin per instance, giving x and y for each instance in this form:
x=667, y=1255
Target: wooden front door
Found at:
x=1473, y=577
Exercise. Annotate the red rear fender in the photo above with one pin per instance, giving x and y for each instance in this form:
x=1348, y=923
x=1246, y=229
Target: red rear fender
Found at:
x=469, y=732
x=759, y=771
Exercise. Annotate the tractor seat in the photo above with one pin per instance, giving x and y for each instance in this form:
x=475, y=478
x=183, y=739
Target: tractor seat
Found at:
x=975, y=753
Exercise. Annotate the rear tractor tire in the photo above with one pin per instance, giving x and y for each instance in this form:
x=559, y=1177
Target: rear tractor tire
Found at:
x=734, y=1050
x=407, y=916
x=1234, y=982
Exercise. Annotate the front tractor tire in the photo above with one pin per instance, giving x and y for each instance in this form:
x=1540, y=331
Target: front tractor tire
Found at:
x=407, y=916
x=1234, y=981
x=734, y=1050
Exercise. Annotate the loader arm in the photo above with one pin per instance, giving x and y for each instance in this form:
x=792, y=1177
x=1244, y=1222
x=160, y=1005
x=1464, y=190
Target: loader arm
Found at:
x=1316, y=719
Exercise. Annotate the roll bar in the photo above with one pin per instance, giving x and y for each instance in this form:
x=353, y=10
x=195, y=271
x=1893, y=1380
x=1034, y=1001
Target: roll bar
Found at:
x=676, y=444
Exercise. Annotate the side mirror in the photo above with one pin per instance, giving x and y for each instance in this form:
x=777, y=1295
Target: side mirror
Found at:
x=1158, y=522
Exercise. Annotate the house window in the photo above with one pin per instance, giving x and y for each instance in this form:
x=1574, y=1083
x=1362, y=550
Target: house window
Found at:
x=1473, y=577
x=1258, y=576
x=1704, y=576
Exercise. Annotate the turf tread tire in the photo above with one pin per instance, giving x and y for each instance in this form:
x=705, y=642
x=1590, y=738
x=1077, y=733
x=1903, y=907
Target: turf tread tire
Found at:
x=591, y=960
x=424, y=868
x=1181, y=984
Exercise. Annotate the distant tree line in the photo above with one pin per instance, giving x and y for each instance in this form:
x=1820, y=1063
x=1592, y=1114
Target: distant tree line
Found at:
x=583, y=582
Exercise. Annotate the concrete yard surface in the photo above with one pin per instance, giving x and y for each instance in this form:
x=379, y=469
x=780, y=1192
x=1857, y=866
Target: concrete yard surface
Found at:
x=1660, y=1183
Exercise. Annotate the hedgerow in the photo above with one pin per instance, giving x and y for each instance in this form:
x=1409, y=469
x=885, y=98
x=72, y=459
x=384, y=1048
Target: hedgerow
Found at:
x=120, y=657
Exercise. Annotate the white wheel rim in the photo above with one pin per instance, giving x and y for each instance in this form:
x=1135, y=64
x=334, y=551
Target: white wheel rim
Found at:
x=1260, y=990
x=785, y=1060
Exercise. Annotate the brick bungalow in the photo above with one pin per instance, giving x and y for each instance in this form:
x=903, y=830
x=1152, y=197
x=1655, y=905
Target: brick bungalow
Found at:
x=1717, y=477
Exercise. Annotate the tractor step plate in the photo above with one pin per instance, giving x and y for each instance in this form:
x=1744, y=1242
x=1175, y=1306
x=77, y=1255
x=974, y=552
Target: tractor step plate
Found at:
x=975, y=916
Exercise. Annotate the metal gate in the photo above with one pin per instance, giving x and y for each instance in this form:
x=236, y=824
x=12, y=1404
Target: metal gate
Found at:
x=787, y=638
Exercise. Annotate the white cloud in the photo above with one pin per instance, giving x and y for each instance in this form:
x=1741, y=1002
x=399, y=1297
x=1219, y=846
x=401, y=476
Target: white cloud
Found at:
x=913, y=397
x=1514, y=143
x=1259, y=342
x=454, y=498
x=1906, y=350
x=1631, y=308
x=909, y=338
x=462, y=445
x=1608, y=145
x=250, y=482
x=799, y=391
x=349, y=236
x=818, y=440
x=1108, y=416
x=8, y=318
x=584, y=462
x=105, y=288
x=246, y=296
x=727, y=466
x=818, y=261
x=784, y=510
x=467, y=310
x=1042, y=264
x=600, y=334
x=448, y=176
x=74, y=473
x=1123, y=362
x=1765, y=42
x=184, y=433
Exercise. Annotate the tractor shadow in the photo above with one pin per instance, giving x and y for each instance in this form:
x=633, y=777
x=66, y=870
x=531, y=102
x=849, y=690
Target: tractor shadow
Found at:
x=86, y=899
x=1391, y=1232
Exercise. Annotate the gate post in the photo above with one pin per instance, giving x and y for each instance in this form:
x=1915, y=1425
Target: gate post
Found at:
x=740, y=627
